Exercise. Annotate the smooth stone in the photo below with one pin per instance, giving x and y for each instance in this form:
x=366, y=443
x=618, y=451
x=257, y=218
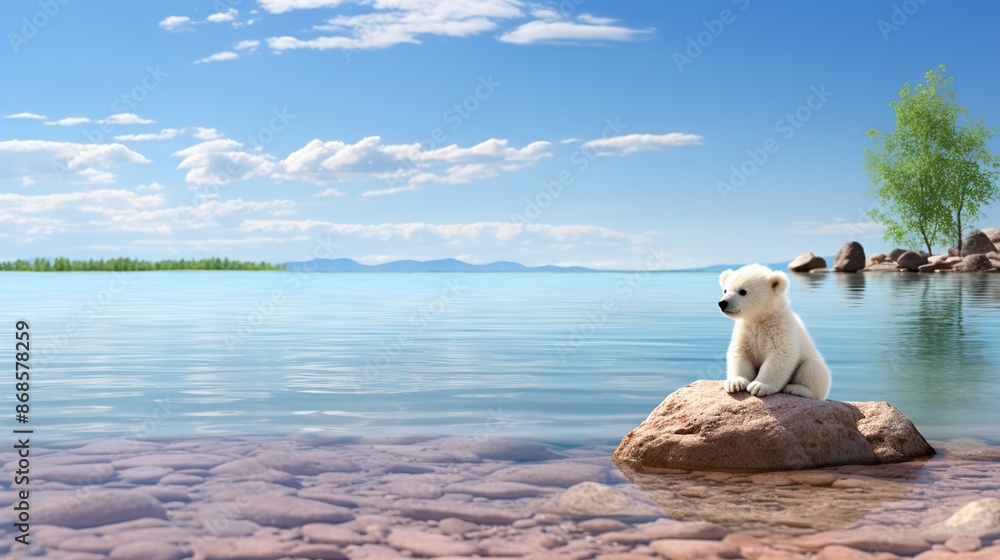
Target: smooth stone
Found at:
x=98, y=507
x=307, y=463
x=963, y=544
x=850, y=258
x=911, y=260
x=77, y=475
x=181, y=479
x=806, y=262
x=473, y=513
x=557, y=473
x=980, y=518
x=814, y=478
x=457, y=527
x=593, y=499
x=495, y=490
x=701, y=427
x=975, y=263
x=666, y=529
x=247, y=548
x=838, y=552
x=175, y=461
x=502, y=449
x=87, y=543
x=601, y=525
x=318, y=552
x=429, y=544
x=677, y=549
x=872, y=539
x=288, y=511
x=406, y=468
x=331, y=534
x=146, y=550
x=144, y=474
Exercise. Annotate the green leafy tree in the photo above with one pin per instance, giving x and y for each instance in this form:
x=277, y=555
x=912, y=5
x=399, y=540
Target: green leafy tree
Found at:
x=934, y=173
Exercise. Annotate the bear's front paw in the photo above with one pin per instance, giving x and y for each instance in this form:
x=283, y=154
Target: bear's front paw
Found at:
x=758, y=389
x=734, y=385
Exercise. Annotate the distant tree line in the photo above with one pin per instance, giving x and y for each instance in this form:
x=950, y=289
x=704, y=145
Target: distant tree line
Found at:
x=126, y=264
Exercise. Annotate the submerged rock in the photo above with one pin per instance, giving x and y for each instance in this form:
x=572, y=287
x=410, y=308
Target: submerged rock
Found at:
x=701, y=427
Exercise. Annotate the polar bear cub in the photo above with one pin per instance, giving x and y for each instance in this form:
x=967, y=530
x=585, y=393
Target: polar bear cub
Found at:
x=770, y=350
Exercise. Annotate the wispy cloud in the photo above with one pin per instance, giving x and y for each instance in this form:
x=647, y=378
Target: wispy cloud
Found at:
x=221, y=161
x=553, y=27
x=31, y=116
x=125, y=118
x=165, y=134
x=223, y=17
x=218, y=57
x=68, y=121
x=631, y=143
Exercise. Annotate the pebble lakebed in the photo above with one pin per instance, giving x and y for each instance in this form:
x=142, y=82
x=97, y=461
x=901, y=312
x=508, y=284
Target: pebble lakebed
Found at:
x=271, y=498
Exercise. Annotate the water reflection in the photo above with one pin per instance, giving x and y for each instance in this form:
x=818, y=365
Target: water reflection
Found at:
x=823, y=499
x=852, y=286
x=808, y=282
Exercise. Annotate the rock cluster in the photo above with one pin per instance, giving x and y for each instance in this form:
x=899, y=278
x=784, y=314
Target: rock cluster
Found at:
x=980, y=253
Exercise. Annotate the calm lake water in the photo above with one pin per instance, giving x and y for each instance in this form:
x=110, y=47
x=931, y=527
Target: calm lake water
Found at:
x=563, y=358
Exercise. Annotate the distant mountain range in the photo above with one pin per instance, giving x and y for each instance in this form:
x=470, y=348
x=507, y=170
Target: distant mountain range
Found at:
x=441, y=265
x=454, y=265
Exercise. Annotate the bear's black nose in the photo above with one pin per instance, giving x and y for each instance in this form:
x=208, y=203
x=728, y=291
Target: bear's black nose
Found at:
x=723, y=305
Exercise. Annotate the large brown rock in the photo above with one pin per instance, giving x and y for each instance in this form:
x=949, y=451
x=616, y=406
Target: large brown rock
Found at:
x=701, y=427
x=850, y=258
x=895, y=253
x=994, y=235
x=911, y=260
x=977, y=243
x=806, y=262
x=975, y=263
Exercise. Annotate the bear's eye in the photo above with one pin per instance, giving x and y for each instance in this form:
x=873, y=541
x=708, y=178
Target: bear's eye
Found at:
x=743, y=292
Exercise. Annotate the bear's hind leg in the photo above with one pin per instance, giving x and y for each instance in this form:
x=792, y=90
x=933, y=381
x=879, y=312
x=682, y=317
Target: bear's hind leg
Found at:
x=798, y=391
x=811, y=380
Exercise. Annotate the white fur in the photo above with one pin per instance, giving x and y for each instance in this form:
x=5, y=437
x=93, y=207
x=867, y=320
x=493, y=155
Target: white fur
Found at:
x=770, y=350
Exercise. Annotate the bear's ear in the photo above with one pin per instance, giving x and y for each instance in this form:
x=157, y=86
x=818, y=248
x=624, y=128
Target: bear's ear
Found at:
x=779, y=281
x=722, y=277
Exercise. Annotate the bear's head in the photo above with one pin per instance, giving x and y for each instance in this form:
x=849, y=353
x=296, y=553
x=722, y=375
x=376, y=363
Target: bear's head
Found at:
x=751, y=291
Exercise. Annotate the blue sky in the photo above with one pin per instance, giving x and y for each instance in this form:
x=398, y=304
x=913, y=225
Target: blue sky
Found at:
x=578, y=132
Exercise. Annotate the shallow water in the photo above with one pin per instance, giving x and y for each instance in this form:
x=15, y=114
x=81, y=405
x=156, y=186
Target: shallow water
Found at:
x=563, y=358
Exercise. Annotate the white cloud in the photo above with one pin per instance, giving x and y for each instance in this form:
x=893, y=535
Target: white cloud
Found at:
x=202, y=133
x=839, y=227
x=84, y=201
x=282, y=6
x=250, y=45
x=222, y=161
x=402, y=21
x=498, y=231
x=64, y=161
x=406, y=166
x=331, y=192
x=223, y=17
x=194, y=217
x=631, y=143
x=217, y=244
x=125, y=118
x=165, y=134
x=153, y=187
x=68, y=121
x=218, y=57
x=552, y=27
x=174, y=23
x=569, y=141
x=31, y=116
